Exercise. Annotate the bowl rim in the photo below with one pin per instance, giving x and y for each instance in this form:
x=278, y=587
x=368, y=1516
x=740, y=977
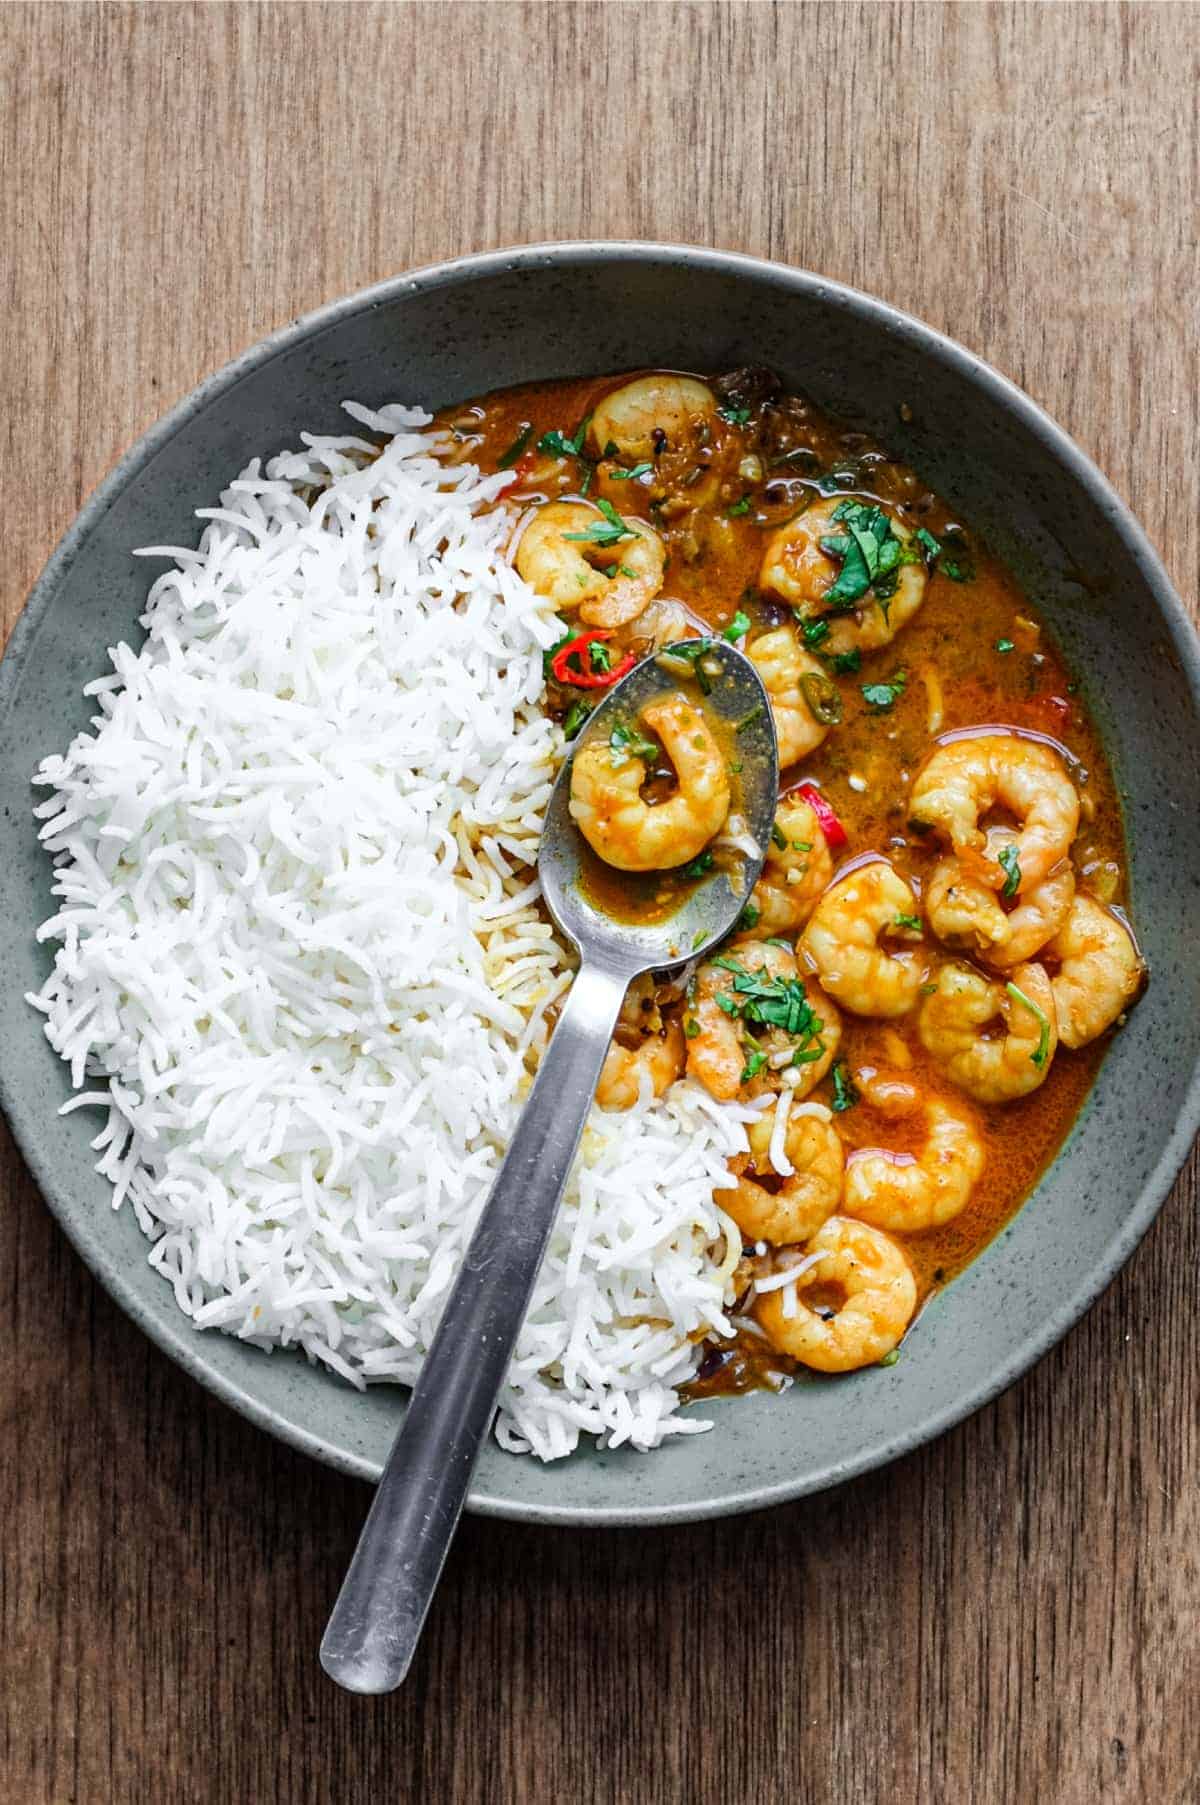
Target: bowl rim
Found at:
x=180, y=1341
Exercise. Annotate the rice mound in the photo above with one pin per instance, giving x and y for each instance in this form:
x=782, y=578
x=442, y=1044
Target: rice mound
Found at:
x=301, y=964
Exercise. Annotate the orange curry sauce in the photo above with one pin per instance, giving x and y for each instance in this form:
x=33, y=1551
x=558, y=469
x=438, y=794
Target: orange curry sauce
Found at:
x=976, y=650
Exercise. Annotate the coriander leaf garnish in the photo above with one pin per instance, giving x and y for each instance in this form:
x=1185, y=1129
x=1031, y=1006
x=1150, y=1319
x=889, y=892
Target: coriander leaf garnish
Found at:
x=691, y=1028
x=738, y=627
x=599, y=656
x=779, y=837
x=1009, y=861
x=577, y=714
x=1038, y=1056
x=736, y=416
x=890, y=1359
x=749, y=918
x=625, y=743
x=814, y=631
x=609, y=531
x=631, y=475
x=908, y=921
x=882, y=696
x=1005, y=645
x=516, y=448
x=753, y=1066
x=846, y=663
x=931, y=547
x=739, y=507
x=771, y=1002
x=756, y=714
x=698, y=866
x=870, y=554
x=845, y=1093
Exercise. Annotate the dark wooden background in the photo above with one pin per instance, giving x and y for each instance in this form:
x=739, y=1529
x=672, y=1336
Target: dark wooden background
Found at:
x=1009, y=1615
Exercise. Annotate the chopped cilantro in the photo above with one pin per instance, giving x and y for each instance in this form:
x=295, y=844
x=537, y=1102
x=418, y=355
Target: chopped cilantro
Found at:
x=738, y=627
x=610, y=531
x=626, y=743
x=846, y=663
x=753, y=1066
x=699, y=937
x=756, y=714
x=929, y=545
x=739, y=507
x=772, y=1002
x=870, y=555
x=698, y=866
x=814, y=631
x=631, y=475
x=577, y=714
x=1038, y=1056
x=845, y=1093
x=1009, y=861
x=749, y=918
x=516, y=448
x=882, y=696
x=691, y=1028
x=779, y=837
x=736, y=416
x=890, y=1359
x=1005, y=645
x=599, y=656
x=908, y=921
x=559, y=446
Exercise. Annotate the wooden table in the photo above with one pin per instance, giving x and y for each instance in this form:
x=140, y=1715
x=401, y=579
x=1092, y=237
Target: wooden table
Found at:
x=1009, y=1615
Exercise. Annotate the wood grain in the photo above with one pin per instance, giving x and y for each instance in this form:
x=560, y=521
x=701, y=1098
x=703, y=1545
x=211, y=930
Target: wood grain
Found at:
x=1008, y=1615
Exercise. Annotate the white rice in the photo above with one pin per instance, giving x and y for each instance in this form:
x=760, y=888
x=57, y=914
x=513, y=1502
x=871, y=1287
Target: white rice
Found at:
x=301, y=969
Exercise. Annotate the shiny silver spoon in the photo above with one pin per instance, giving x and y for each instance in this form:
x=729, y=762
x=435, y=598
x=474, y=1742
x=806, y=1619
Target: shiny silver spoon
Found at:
x=373, y=1632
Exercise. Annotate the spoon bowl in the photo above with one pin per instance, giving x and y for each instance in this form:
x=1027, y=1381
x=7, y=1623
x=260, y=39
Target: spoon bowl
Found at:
x=737, y=703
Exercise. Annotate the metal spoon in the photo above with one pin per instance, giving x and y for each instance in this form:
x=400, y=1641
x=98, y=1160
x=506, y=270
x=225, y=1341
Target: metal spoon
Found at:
x=376, y=1622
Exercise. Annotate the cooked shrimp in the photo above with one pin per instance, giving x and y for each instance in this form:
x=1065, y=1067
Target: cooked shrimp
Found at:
x=740, y=1044
x=961, y=781
x=627, y=832
x=658, y=1057
x=906, y=1192
x=804, y=1199
x=965, y=1002
x=797, y=568
x=1099, y=973
x=878, y=1297
x=841, y=941
x=635, y=416
x=568, y=550
x=664, y=622
x=783, y=665
x=793, y=874
x=968, y=917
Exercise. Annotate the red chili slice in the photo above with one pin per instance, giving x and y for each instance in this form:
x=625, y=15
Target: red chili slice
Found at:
x=579, y=674
x=831, y=827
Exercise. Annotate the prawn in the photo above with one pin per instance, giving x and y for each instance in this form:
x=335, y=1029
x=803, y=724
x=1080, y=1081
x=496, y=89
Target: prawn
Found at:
x=754, y=1025
x=797, y=567
x=624, y=830
x=968, y=917
x=573, y=555
x=841, y=941
x=878, y=1297
x=907, y=1192
x=642, y=416
x=796, y=870
x=804, y=1198
x=1099, y=971
x=963, y=1003
x=790, y=675
x=962, y=780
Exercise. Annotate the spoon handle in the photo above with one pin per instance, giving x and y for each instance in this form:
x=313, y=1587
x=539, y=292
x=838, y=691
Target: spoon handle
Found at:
x=373, y=1632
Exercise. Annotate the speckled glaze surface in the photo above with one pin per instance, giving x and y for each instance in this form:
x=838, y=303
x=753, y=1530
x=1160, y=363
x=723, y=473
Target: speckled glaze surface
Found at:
x=452, y=331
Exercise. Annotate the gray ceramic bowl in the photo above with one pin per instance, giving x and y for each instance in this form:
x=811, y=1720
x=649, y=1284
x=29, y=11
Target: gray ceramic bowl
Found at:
x=451, y=332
